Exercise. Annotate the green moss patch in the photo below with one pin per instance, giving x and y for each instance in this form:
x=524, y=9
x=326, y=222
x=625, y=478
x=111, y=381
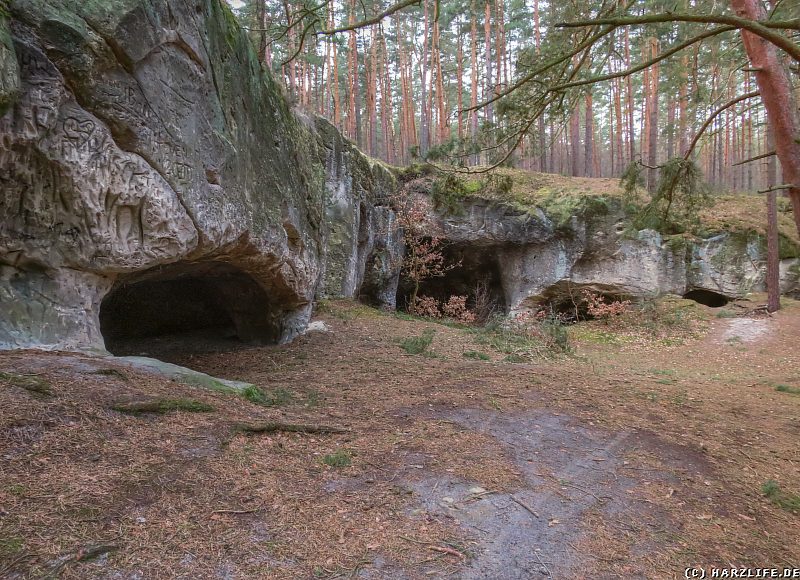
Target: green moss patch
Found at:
x=32, y=383
x=162, y=406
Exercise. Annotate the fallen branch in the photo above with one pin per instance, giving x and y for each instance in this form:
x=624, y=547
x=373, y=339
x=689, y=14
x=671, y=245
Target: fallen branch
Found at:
x=448, y=550
x=237, y=512
x=436, y=547
x=86, y=553
x=539, y=558
x=586, y=491
x=524, y=505
x=476, y=496
x=275, y=427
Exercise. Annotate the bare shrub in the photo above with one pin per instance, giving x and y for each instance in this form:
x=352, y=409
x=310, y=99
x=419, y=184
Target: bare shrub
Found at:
x=426, y=306
x=456, y=308
x=484, y=304
x=597, y=306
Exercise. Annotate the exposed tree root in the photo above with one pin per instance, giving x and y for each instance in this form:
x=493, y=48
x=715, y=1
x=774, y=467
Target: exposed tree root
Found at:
x=275, y=427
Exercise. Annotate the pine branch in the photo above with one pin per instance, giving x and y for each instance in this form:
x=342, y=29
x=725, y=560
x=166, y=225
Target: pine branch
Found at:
x=766, y=29
x=713, y=115
x=649, y=63
x=370, y=21
x=756, y=158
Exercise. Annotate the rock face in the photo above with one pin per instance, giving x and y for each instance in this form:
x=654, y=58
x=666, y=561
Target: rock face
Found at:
x=529, y=259
x=153, y=178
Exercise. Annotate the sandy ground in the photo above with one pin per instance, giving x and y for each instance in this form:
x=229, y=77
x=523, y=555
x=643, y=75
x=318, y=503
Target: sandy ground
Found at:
x=632, y=457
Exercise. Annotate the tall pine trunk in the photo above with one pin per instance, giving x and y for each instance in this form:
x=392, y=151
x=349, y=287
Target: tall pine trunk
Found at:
x=652, y=113
x=588, y=140
x=776, y=95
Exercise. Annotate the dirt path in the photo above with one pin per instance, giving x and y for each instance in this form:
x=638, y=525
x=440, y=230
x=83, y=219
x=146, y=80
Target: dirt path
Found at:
x=630, y=457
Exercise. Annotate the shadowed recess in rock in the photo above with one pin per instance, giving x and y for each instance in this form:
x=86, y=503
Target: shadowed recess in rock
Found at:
x=472, y=269
x=707, y=298
x=184, y=305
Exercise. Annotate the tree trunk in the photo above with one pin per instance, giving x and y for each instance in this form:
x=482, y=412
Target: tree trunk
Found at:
x=670, y=128
x=683, y=102
x=777, y=98
x=473, y=114
x=652, y=113
x=629, y=101
x=372, y=95
x=619, y=164
x=487, y=47
x=537, y=38
x=588, y=140
x=261, y=17
x=460, y=79
x=773, y=263
x=424, y=137
x=574, y=141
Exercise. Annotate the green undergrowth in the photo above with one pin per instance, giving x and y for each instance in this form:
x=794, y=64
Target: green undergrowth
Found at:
x=268, y=398
x=667, y=320
x=339, y=459
x=787, y=389
x=10, y=546
x=476, y=355
x=559, y=197
x=696, y=212
x=347, y=309
x=784, y=500
x=417, y=344
x=523, y=343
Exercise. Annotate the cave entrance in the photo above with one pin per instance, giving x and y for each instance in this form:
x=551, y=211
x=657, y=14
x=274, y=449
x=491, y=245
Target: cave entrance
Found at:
x=568, y=301
x=707, y=298
x=477, y=276
x=186, y=307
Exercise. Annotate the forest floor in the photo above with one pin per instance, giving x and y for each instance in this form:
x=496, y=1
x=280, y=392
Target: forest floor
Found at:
x=638, y=455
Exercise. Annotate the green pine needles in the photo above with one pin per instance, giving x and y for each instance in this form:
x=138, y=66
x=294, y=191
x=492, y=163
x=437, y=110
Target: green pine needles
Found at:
x=675, y=205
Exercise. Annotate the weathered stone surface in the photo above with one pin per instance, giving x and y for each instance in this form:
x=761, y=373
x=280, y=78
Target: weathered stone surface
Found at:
x=539, y=262
x=9, y=72
x=144, y=133
x=362, y=243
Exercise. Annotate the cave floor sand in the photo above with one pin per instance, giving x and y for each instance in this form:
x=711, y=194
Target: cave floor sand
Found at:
x=631, y=457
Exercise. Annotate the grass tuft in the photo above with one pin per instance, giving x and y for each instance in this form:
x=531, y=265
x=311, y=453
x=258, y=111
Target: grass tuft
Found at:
x=784, y=500
x=342, y=458
x=523, y=343
x=476, y=355
x=725, y=313
x=10, y=546
x=417, y=344
x=274, y=398
x=787, y=389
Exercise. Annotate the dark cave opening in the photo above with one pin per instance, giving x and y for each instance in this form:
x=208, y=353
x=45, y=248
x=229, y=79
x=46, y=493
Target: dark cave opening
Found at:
x=476, y=271
x=192, y=306
x=570, y=311
x=569, y=302
x=707, y=298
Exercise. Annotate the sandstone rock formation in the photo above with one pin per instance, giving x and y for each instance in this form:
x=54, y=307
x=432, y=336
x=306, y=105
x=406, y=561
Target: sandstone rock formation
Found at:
x=153, y=178
x=529, y=259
